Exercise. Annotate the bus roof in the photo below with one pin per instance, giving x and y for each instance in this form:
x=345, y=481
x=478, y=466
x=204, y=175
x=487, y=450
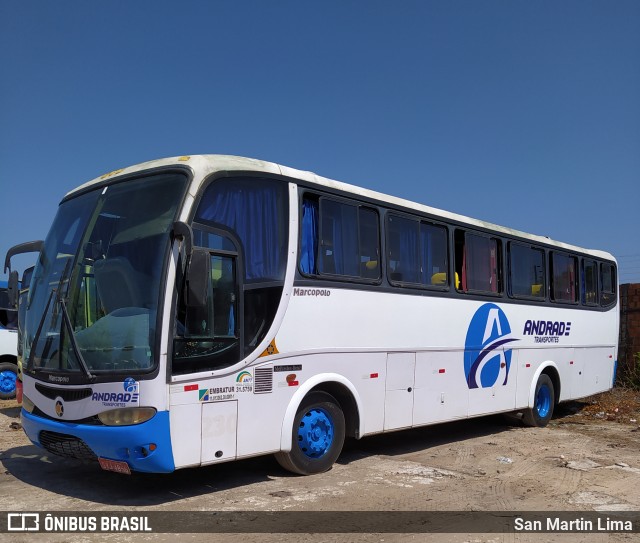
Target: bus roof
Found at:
x=208, y=164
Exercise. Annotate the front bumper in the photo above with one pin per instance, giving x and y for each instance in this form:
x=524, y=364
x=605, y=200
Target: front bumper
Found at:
x=131, y=444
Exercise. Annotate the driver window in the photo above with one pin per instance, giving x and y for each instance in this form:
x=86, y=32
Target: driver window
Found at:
x=207, y=335
x=217, y=317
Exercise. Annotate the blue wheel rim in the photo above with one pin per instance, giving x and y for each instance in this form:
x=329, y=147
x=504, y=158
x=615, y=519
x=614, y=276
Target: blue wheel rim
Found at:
x=315, y=433
x=543, y=401
x=7, y=382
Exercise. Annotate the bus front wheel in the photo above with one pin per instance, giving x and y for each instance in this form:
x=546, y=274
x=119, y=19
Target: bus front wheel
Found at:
x=318, y=435
x=544, y=401
x=8, y=377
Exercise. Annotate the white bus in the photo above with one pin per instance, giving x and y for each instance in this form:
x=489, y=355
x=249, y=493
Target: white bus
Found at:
x=8, y=345
x=201, y=309
x=12, y=315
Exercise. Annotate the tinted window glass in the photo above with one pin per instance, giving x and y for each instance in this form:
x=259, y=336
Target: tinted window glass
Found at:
x=527, y=271
x=255, y=211
x=478, y=259
x=435, y=260
x=369, y=228
x=403, y=250
x=338, y=238
x=589, y=282
x=207, y=335
x=417, y=252
x=563, y=279
x=608, y=284
x=309, y=237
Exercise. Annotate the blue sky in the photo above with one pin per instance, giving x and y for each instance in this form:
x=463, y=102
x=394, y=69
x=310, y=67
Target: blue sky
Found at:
x=522, y=113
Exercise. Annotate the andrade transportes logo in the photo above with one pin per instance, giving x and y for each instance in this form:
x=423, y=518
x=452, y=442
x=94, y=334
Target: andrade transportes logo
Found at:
x=486, y=362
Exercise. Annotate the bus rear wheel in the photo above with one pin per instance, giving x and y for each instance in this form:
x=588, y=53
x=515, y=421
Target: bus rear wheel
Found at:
x=544, y=401
x=8, y=377
x=318, y=436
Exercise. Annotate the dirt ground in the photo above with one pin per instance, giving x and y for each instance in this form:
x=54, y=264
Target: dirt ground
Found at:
x=587, y=459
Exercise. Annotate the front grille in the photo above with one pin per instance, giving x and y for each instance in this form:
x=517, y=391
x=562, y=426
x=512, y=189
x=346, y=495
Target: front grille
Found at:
x=66, y=445
x=262, y=380
x=67, y=394
x=91, y=421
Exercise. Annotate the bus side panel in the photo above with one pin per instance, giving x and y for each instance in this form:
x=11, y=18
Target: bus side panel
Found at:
x=8, y=342
x=438, y=393
x=596, y=366
x=186, y=439
x=502, y=395
x=398, y=400
x=219, y=431
x=531, y=360
x=260, y=418
x=260, y=433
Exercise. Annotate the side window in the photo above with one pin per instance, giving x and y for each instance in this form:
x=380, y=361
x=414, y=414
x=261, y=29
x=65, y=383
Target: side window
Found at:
x=8, y=315
x=207, y=336
x=403, y=249
x=478, y=262
x=607, y=284
x=217, y=318
x=435, y=254
x=255, y=210
x=589, y=281
x=563, y=278
x=526, y=272
x=339, y=239
x=416, y=252
x=246, y=217
x=369, y=229
x=309, y=236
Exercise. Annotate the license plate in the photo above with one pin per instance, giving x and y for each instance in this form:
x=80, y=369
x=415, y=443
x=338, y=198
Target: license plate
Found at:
x=114, y=465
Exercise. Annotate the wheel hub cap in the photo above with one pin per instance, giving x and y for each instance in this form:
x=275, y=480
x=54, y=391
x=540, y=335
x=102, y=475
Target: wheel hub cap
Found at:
x=315, y=433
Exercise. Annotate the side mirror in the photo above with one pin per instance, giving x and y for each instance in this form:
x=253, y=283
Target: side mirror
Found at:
x=28, y=247
x=198, y=278
x=13, y=289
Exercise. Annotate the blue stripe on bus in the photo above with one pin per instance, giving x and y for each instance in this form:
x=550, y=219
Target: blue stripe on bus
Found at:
x=115, y=442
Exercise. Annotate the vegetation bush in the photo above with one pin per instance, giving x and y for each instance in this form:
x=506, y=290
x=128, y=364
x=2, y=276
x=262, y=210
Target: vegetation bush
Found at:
x=631, y=376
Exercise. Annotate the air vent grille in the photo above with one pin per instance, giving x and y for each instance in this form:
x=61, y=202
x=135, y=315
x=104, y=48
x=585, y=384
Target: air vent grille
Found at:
x=263, y=380
x=66, y=445
x=67, y=394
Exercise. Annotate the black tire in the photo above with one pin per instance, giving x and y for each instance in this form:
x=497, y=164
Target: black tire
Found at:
x=8, y=377
x=317, y=436
x=544, y=401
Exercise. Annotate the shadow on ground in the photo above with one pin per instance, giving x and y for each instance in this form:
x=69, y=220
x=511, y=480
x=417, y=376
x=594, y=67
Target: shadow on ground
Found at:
x=86, y=481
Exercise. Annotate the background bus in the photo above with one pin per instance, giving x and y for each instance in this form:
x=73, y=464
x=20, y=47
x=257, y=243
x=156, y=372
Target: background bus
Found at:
x=8, y=345
x=13, y=300
x=196, y=310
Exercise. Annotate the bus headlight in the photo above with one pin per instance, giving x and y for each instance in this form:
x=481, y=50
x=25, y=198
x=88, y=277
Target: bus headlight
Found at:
x=127, y=416
x=27, y=404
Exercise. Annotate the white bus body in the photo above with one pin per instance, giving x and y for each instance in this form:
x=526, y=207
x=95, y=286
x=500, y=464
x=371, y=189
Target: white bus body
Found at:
x=8, y=346
x=329, y=353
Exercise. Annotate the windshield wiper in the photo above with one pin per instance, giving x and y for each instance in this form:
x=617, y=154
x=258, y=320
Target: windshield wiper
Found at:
x=36, y=338
x=74, y=343
x=58, y=291
x=67, y=321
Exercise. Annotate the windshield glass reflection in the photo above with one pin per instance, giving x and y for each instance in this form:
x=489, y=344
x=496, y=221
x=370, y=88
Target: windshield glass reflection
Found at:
x=104, y=258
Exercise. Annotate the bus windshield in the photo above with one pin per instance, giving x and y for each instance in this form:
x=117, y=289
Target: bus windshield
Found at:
x=95, y=291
